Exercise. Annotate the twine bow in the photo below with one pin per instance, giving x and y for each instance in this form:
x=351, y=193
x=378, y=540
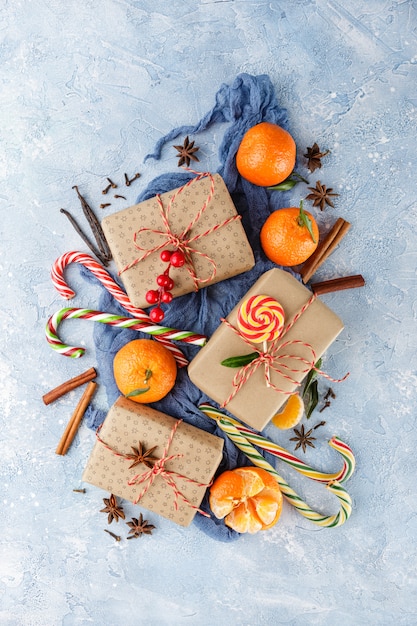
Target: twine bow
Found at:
x=182, y=241
x=271, y=359
x=148, y=477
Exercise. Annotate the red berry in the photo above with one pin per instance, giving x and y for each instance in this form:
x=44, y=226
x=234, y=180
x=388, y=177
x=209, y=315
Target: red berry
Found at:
x=166, y=297
x=157, y=315
x=165, y=255
x=177, y=258
x=169, y=283
x=163, y=280
x=152, y=296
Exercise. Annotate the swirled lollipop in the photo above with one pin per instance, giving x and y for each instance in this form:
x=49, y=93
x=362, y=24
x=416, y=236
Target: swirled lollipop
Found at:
x=260, y=319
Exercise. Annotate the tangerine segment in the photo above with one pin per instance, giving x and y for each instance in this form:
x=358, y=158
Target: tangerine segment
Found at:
x=244, y=519
x=253, y=483
x=144, y=370
x=247, y=498
x=285, y=240
x=266, y=155
x=292, y=413
x=266, y=508
x=226, y=493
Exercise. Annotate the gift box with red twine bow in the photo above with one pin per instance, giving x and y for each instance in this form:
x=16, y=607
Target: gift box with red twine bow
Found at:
x=171, y=480
x=199, y=220
x=258, y=389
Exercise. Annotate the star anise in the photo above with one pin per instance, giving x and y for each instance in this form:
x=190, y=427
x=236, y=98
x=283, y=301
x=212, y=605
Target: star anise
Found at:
x=113, y=510
x=321, y=195
x=314, y=156
x=303, y=438
x=141, y=456
x=139, y=527
x=186, y=152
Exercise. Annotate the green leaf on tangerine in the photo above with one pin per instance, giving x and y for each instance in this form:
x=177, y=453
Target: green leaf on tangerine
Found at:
x=239, y=361
x=289, y=182
x=286, y=185
x=304, y=220
x=137, y=392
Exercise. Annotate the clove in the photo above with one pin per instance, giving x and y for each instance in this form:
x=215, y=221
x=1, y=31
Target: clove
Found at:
x=115, y=537
x=128, y=180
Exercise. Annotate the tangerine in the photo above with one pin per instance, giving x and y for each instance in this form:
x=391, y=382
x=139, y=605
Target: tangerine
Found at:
x=292, y=413
x=248, y=498
x=144, y=370
x=289, y=236
x=266, y=154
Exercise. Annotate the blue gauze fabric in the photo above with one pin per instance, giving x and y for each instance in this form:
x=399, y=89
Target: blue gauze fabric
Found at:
x=248, y=101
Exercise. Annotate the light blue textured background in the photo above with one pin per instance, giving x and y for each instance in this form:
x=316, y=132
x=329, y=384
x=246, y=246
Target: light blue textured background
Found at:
x=87, y=88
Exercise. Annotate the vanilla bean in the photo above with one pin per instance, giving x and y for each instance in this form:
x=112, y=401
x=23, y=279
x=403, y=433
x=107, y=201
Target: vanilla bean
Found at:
x=95, y=227
x=84, y=237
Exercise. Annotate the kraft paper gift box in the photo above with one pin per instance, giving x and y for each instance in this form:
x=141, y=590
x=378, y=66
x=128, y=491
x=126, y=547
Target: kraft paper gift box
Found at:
x=227, y=246
x=255, y=403
x=129, y=423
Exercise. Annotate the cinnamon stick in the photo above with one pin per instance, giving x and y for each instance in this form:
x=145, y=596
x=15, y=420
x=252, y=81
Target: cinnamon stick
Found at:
x=69, y=385
x=75, y=421
x=338, y=284
x=324, y=249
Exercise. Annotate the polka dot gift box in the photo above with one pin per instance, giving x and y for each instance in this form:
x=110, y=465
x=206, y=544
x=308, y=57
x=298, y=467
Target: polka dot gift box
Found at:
x=160, y=463
x=197, y=220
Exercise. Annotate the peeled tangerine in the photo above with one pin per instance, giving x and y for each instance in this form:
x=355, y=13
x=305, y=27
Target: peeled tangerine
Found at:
x=248, y=498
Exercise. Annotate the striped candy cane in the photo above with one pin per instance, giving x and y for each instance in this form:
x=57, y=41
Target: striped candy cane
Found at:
x=161, y=333
x=57, y=275
x=328, y=521
x=337, y=444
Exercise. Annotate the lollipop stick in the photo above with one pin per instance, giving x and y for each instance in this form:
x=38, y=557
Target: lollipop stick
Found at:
x=265, y=349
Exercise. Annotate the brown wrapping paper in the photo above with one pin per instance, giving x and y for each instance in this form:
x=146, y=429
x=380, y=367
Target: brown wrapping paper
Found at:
x=129, y=423
x=255, y=404
x=228, y=246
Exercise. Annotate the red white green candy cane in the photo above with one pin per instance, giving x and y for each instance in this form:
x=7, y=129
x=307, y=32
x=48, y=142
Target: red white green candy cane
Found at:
x=334, y=486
